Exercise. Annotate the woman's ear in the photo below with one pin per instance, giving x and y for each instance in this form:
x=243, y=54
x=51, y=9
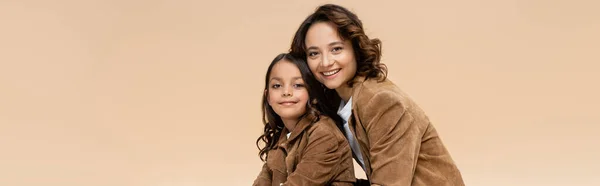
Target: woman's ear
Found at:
x=314, y=101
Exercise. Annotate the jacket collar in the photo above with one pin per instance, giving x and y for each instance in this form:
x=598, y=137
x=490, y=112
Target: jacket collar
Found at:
x=304, y=123
x=356, y=87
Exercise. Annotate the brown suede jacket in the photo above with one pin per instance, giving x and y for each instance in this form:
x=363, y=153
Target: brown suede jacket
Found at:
x=399, y=144
x=314, y=154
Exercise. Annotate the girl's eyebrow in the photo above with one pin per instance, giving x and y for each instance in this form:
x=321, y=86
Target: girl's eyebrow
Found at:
x=279, y=79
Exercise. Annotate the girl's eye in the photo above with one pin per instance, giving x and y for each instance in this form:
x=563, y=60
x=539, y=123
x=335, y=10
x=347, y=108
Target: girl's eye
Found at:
x=299, y=85
x=275, y=85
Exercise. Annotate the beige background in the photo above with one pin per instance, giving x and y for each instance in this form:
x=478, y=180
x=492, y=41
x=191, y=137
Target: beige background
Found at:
x=157, y=93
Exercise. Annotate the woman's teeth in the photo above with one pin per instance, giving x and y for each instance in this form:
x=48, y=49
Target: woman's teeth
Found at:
x=329, y=73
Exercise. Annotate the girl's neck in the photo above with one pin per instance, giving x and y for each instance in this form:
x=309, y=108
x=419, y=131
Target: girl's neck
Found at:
x=290, y=124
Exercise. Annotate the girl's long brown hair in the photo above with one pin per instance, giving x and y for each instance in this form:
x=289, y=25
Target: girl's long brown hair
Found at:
x=316, y=105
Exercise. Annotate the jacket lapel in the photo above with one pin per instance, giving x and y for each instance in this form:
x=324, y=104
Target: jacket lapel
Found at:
x=299, y=128
x=355, y=124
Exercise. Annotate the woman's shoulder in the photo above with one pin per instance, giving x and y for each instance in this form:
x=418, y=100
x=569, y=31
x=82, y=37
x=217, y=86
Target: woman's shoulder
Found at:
x=373, y=93
x=373, y=88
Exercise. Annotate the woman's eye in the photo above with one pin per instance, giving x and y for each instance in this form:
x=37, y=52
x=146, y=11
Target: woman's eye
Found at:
x=312, y=53
x=336, y=49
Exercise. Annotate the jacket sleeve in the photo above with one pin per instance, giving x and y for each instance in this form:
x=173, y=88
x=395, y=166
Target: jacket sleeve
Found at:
x=399, y=136
x=264, y=177
x=394, y=139
x=320, y=161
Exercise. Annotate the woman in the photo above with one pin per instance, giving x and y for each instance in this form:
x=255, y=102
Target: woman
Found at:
x=391, y=137
x=303, y=146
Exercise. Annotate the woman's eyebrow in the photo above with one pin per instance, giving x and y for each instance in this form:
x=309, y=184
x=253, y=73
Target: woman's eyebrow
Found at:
x=330, y=44
x=335, y=43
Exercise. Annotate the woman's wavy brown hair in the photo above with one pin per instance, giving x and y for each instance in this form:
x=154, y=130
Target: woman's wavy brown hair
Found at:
x=315, y=107
x=366, y=51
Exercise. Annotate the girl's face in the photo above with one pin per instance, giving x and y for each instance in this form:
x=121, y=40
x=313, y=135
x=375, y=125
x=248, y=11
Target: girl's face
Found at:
x=330, y=58
x=287, y=93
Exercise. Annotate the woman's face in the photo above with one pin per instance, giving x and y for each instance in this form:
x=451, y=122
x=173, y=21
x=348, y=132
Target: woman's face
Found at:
x=330, y=58
x=287, y=93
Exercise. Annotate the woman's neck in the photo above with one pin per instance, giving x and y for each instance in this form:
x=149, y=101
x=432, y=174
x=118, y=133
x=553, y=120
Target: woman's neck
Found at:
x=345, y=92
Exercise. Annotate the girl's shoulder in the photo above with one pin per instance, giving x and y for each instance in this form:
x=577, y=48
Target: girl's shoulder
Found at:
x=325, y=126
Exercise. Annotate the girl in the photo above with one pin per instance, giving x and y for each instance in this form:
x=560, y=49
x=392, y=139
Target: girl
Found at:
x=302, y=145
x=391, y=137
